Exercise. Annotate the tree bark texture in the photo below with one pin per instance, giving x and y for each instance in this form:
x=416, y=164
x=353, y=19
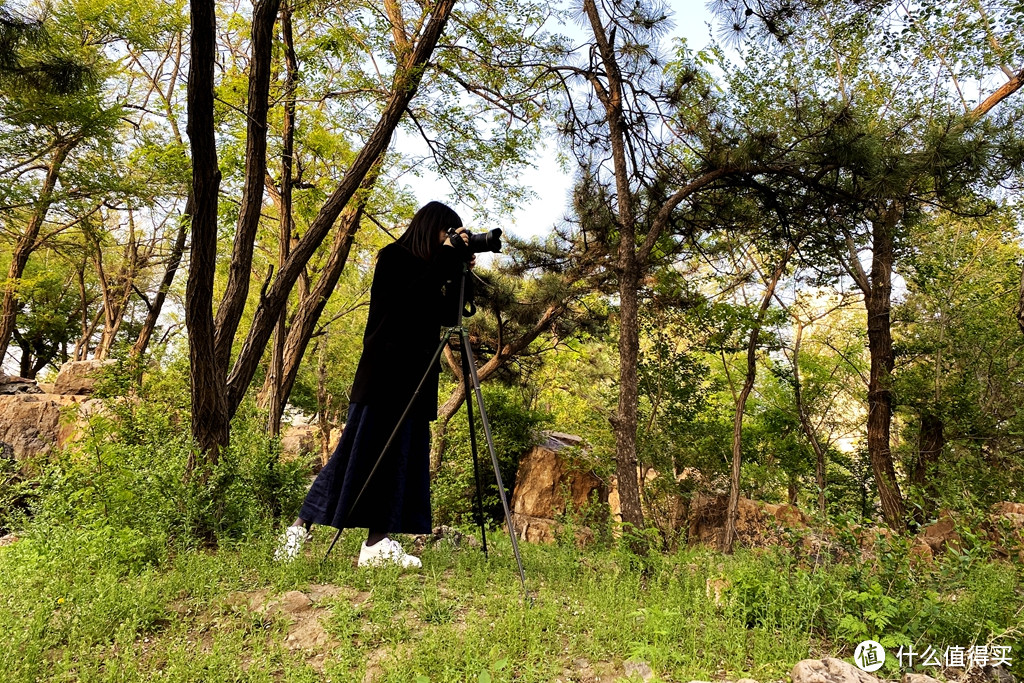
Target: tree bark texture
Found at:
x=277, y=396
x=210, y=420
x=229, y=313
x=610, y=94
x=878, y=302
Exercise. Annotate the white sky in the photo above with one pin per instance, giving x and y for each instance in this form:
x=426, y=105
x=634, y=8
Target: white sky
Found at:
x=550, y=183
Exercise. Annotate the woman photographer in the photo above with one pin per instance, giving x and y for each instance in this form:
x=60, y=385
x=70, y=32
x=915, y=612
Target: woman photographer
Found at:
x=415, y=291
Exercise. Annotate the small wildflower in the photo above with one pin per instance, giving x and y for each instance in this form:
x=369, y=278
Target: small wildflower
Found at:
x=60, y=601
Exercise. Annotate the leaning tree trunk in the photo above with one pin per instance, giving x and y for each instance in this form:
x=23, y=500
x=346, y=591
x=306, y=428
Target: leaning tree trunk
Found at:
x=405, y=84
x=878, y=302
x=741, y=402
x=156, y=306
x=307, y=313
x=27, y=244
x=805, y=421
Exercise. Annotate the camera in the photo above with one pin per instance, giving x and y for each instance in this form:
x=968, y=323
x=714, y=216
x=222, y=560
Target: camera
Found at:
x=478, y=242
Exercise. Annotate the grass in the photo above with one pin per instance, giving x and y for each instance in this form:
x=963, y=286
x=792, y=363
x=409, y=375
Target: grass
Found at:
x=106, y=605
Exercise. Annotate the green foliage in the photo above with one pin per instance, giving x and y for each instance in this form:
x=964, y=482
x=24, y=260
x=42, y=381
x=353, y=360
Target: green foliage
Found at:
x=961, y=356
x=99, y=600
x=17, y=492
x=514, y=429
x=128, y=472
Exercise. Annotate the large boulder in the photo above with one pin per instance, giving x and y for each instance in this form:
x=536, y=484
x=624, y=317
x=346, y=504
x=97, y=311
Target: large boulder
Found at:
x=829, y=670
x=34, y=424
x=79, y=377
x=548, y=485
x=299, y=440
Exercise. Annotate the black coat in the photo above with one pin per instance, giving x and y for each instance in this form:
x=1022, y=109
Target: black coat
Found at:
x=410, y=300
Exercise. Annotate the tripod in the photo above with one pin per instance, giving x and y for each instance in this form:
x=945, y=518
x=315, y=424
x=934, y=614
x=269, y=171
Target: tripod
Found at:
x=471, y=384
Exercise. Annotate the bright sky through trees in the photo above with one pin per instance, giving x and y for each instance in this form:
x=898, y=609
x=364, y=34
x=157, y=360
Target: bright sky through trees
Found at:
x=692, y=21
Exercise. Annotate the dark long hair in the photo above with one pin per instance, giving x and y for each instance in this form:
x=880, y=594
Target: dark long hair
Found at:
x=421, y=237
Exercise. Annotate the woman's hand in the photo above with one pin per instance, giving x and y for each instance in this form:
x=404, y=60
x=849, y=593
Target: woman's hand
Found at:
x=461, y=232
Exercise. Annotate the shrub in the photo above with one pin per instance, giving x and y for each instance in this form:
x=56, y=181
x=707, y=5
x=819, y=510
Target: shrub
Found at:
x=514, y=428
x=128, y=471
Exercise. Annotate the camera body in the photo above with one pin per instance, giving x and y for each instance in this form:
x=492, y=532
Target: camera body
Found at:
x=478, y=242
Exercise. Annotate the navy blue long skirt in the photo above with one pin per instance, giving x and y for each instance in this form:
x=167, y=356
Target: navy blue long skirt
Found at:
x=397, y=498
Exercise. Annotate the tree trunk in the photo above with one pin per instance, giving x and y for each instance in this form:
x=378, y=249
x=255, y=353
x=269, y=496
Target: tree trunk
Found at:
x=277, y=396
x=741, y=403
x=406, y=82
x=625, y=423
x=805, y=422
x=210, y=419
x=878, y=302
x=932, y=441
x=628, y=271
x=156, y=306
x=236, y=292
x=27, y=244
x=311, y=306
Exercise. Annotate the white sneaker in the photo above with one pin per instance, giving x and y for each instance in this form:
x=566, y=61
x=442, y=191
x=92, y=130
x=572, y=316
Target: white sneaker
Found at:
x=386, y=551
x=290, y=543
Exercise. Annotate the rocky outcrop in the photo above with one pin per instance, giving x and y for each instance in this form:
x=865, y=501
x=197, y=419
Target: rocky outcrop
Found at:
x=299, y=440
x=757, y=523
x=548, y=485
x=1005, y=529
x=305, y=441
x=13, y=385
x=941, y=534
x=34, y=424
x=829, y=670
x=79, y=377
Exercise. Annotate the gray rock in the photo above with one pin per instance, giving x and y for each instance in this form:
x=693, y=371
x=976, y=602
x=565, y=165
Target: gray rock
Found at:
x=998, y=674
x=918, y=678
x=10, y=385
x=829, y=670
x=80, y=377
x=638, y=668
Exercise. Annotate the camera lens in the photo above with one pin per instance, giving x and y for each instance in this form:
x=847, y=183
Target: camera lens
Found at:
x=486, y=241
